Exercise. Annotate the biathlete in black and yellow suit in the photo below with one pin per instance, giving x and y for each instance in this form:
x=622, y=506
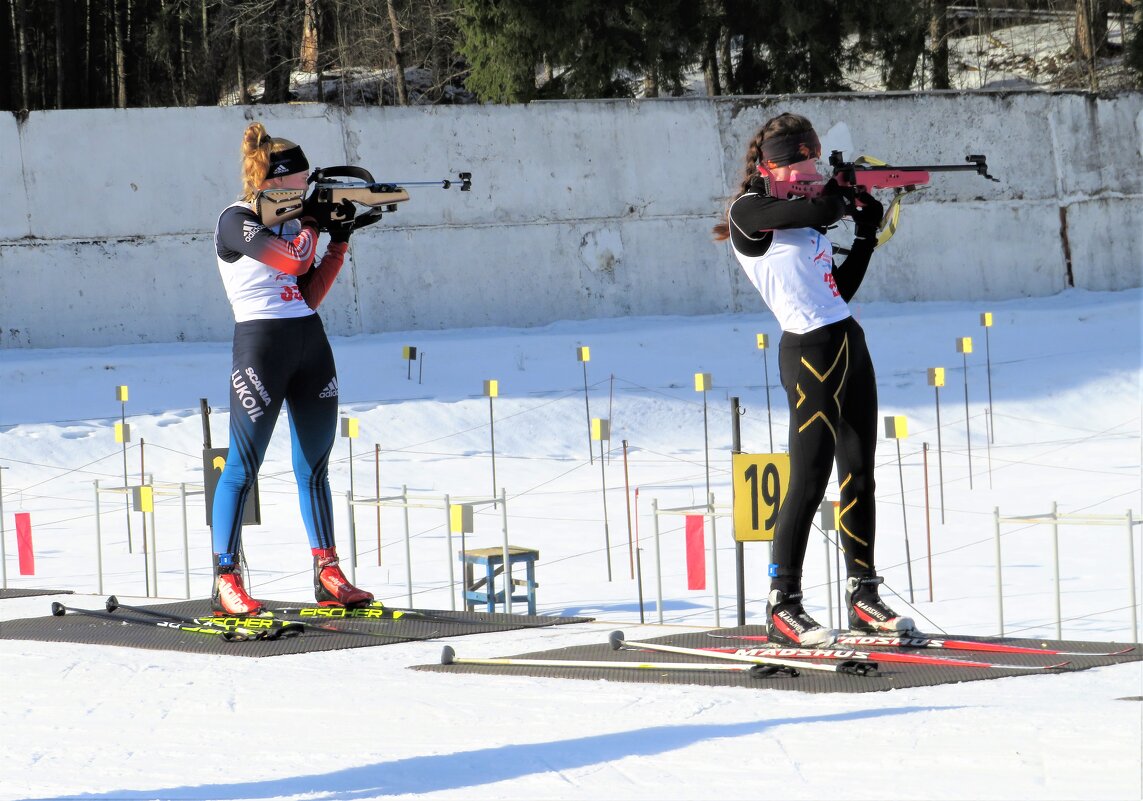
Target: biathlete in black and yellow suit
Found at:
x=825, y=369
x=281, y=356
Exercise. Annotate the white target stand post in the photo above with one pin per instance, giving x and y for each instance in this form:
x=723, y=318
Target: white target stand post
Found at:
x=350, y=428
x=601, y=431
x=896, y=428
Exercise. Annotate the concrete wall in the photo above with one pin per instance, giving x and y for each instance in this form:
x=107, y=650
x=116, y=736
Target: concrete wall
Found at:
x=578, y=209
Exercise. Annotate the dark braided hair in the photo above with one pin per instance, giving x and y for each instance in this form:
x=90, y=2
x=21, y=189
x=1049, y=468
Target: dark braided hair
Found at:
x=781, y=125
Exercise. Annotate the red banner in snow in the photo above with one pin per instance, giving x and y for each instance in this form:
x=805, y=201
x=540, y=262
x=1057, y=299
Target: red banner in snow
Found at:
x=696, y=553
x=24, y=544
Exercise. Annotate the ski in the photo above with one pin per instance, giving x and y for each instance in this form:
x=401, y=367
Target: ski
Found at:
x=377, y=611
x=920, y=641
x=309, y=624
x=258, y=626
x=449, y=657
x=250, y=627
x=59, y=610
x=849, y=666
x=883, y=656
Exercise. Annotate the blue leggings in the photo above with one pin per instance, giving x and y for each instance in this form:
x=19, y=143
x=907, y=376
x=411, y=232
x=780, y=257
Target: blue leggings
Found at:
x=274, y=362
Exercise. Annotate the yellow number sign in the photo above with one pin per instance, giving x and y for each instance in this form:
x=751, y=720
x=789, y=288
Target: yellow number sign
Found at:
x=760, y=481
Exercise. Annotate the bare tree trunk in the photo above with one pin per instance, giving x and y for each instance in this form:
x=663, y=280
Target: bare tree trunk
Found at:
x=651, y=83
x=904, y=66
x=69, y=67
x=276, y=39
x=308, y=57
x=939, y=43
x=182, y=45
x=710, y=67
x=440, y=52
x=19, y=17
x=398, y=56
x=88, y=91
x=240, y=66
x=117, y=11
x=7, y=42
x=1090, y=39
x=727, y=65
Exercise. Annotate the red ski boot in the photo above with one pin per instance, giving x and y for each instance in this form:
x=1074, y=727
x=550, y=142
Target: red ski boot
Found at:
x=229, y=596
x=331, y=587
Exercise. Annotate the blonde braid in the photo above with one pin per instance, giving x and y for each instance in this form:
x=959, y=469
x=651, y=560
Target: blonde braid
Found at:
x=256, y=147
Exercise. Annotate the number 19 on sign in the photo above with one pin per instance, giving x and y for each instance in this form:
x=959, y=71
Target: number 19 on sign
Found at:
x=759, y=485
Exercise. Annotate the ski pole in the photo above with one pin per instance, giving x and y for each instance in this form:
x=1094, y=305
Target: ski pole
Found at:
x=59, y=610
x=254, y=628
x=449, y=657
x=849, y=667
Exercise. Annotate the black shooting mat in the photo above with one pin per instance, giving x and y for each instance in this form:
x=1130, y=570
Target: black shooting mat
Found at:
x=12, y=593
x=892, y=675
x=340, y=634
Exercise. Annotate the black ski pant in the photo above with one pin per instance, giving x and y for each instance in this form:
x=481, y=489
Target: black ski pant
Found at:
x=832, y=392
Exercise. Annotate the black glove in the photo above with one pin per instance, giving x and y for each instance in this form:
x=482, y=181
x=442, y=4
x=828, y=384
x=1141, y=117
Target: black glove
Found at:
x=867, y=216
x=341, y=228
x=328, y=215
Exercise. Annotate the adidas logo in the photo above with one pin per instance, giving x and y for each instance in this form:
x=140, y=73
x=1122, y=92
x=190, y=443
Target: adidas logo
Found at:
x=281, y=169
x=250, y=229
x=330, y=390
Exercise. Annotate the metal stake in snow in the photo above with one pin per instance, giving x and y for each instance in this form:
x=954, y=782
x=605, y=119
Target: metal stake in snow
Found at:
x=601, y=430
x=964, y=347
x=491, y=390
x=986, y=321
x=123, y=435
x=853, y=668
x=583, y=355
x=763, y=345
x=896, y=428
x=936, y=381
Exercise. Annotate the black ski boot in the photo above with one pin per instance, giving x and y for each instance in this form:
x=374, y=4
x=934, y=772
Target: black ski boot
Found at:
x=867, y=612
x=788, y=624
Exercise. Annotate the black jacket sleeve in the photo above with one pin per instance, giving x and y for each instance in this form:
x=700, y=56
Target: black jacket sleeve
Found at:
x=850, y=273
x=755, y=214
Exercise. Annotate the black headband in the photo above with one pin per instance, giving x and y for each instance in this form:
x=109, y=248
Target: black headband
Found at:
x=287, y=162
x=784, y=149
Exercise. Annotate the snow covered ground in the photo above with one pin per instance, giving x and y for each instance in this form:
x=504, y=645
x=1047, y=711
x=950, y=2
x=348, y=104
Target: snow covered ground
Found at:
x=91, y=722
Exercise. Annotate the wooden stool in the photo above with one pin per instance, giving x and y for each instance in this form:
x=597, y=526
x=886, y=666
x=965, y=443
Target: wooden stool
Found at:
x=483, y=590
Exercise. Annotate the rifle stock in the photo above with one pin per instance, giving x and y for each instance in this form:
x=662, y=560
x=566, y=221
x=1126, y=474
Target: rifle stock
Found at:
x=334, y=185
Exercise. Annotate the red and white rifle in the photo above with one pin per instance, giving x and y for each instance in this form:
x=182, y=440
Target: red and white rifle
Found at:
x=865, y=174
